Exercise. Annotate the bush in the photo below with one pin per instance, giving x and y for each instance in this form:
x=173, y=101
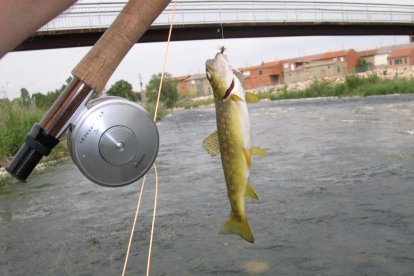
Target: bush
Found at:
x=161, y=113
x=352, y=86
x=169, y=92
x=353, y=81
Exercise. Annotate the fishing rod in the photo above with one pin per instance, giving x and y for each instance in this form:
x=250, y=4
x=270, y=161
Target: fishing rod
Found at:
x=114, y=142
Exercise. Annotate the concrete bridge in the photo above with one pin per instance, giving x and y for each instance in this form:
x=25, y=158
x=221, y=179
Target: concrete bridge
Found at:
x=84, y=23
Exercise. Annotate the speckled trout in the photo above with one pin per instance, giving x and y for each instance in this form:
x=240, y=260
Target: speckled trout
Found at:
x=232, y=140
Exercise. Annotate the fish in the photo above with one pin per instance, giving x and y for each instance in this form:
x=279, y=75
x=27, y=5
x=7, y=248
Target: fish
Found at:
x=232, y=140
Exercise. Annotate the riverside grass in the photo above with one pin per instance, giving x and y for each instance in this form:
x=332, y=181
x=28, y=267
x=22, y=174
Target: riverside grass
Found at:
x=351, y=87
x=16, y=120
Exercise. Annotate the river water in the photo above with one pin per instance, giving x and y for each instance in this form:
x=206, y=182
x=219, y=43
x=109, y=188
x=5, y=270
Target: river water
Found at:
x=337, y=198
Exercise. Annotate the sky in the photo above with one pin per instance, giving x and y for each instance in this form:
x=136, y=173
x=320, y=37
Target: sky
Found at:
x=46, y=70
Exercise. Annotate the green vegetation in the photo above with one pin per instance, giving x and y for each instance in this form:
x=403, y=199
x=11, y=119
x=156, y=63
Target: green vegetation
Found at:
x=169, y=93
x=352, y=86
x=16, y=121
x=123, y=89
x=18, y=117
x=161, y=113
x=363, y=65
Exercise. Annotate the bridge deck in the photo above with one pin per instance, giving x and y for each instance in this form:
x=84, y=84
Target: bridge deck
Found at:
x=84, y=23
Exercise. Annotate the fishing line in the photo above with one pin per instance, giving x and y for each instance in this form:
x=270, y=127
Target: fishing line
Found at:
x=221, y=21
x=153, y=218
x=155, y=166
x=134, y=224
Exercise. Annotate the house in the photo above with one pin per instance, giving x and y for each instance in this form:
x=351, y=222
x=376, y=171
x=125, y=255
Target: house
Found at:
x=330, y=64
x=181, y=84
x=198, y=85
x=381, y=58
x=263, y=75
x=369, y=56
x=401, y=57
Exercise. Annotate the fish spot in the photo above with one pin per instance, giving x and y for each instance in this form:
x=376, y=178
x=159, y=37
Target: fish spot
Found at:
x=255, y=267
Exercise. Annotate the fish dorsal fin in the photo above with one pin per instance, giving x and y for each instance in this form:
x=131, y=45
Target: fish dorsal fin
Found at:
x=250, y=193
x=239, y=75
x=251, y=98
x=211, y=144
x=258, y=151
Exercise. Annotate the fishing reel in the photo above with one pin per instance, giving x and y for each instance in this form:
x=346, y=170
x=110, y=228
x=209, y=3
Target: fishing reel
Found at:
x=114, y=142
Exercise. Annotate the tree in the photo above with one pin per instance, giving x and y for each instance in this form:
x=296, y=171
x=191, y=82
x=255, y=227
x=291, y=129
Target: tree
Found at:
x=122, y=89
x=363, y=65
x=25, y=96
x=45, y=101
x=169, y=93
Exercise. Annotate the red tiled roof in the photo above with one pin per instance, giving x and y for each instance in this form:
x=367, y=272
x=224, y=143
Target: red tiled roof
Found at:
x=263, y=65
x=368, y=53
x=401, y=53
x=323, y=56
x=181, y=78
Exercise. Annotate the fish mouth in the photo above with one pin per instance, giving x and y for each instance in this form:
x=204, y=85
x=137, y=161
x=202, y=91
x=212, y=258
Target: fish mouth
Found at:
x=209, y=68
x=210, y=65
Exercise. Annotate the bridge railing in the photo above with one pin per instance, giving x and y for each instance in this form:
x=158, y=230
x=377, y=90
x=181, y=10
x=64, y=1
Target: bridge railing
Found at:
x=101, y=15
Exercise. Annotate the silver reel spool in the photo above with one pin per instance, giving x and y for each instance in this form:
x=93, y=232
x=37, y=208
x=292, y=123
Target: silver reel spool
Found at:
x=113, y=141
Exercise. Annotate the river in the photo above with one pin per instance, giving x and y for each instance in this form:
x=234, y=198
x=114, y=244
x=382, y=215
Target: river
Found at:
x=337, y=198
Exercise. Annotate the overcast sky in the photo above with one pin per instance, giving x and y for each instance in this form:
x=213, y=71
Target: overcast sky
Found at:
x=46, y=70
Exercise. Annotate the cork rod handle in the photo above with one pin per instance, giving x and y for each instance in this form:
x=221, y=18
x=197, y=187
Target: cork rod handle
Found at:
x=100, y=62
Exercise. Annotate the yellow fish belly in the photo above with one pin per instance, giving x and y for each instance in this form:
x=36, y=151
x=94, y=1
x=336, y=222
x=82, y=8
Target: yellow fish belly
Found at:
x=235, y=149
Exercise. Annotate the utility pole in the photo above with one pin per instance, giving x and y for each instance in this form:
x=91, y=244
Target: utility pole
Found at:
x=3, y=94
x=143, y=93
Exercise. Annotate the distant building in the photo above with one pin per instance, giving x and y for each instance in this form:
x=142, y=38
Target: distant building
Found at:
x=325, y=65
x=381, y=59
x=181, y=84
x=263, y=75
x=368, y=55
x=401, y=57
x=330, y=64
x=198, y=85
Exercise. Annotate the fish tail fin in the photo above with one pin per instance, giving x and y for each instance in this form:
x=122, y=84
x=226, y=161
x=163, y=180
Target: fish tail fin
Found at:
x=242, y=228
x=250, y=193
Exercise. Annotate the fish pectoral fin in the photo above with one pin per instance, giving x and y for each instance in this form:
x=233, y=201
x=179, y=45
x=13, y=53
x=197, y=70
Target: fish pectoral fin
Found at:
x=251, y=98
x=258, y=151
x=250, y=193
x=235, y=98
x=242, y=228
x=211, y=144
x=247, y=156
